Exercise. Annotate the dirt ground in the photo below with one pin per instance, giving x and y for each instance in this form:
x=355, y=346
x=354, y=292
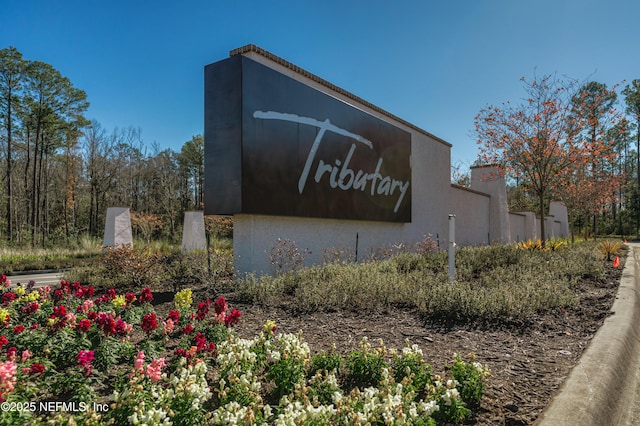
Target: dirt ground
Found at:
x=529, y=361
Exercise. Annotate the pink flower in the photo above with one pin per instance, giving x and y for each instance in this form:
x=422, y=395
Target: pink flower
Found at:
x=85, y=307
x=7, y=377
x=138, y=364
x=168, y=326
x=70, y=319
x=26, y=354
x=154, y=370
x=84, y=359
x=44, y=292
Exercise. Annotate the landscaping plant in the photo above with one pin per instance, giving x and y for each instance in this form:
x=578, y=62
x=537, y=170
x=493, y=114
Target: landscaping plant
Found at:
x=71, y=356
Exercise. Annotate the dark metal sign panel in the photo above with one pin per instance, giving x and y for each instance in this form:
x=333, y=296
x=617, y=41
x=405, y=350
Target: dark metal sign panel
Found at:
x=305, y=153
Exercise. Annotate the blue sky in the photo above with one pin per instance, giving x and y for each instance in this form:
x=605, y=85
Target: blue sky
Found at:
x=433, y=63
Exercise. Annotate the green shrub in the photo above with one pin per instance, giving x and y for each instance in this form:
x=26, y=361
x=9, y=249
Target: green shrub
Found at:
x=365, y=366
x=491, y=283
x=325, y=361
x=471, y=377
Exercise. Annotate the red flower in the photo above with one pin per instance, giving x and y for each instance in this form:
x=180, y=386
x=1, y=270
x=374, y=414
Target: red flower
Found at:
x=8, y=298
x=122, y=327
x=3, y=340
x=145, y=296
x=18, y=329
x=107, y=297
x=203, y=309
x=149, y=322
x=188, y=329
x=84, y=325
x=30, y=307
x=36, y=369
x=201, y=341
x=58, y=294
x=174, y=315
x=232, y=318
x=129, y=298
x=11, y=353
x=59, y=311
x=106, y=323
x=220, y=306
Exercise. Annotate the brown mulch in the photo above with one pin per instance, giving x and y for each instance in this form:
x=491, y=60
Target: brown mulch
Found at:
x=529, y=361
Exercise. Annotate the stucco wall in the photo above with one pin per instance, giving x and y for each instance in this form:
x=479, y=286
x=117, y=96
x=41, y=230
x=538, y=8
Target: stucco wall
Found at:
x=472, y=215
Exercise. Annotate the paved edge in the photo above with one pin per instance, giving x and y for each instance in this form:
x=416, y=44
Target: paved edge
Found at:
x=600, y=389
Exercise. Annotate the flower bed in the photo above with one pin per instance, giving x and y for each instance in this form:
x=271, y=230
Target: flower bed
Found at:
x=68, y=356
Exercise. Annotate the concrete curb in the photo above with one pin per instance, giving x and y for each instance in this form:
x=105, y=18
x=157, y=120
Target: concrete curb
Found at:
x=600, y=390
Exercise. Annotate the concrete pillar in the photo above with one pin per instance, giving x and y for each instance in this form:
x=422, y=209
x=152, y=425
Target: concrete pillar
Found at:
x=558, y=210
x=117, y=228
x=193, y=233
x=490, y=180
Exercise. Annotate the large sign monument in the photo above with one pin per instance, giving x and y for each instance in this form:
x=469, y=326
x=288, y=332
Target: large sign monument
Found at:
x=280, y=147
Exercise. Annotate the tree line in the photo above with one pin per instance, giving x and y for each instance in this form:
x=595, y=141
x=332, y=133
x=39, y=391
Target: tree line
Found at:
x=60, y=171
x=572, y=142
x=566, y=141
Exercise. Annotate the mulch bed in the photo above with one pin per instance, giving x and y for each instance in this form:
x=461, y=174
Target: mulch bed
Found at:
x=529, y=361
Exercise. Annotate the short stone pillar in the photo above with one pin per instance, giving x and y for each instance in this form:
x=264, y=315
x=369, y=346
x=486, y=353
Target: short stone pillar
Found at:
x=193, y=234
x=117, y=228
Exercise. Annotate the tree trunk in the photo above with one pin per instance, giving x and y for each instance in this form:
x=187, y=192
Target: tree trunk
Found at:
x=9, y=161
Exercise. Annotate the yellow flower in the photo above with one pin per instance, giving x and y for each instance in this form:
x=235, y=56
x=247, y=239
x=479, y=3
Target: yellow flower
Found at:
x=4, y=315
x=183, y=299
x=19, y=291
x=269, y=327
x=32, y=297
x=119, y=301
